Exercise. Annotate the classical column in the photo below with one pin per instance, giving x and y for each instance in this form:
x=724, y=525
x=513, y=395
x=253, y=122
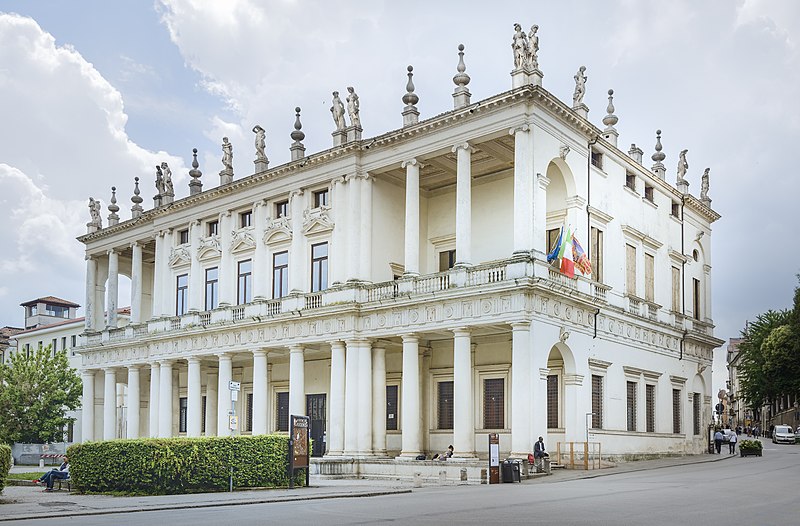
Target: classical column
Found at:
x=365, y=398
x=91, y=287
x=87, y=410
x=463, y=424
x=379, y=399
x=113, y=288
x=410, y=408
x=539, y=352
x=365, y=243
x=463, y=205
x=351, y=399
x=224, y=394
x=574, y=405
x=167, y=285
x=165, y=408
x=211, y=404
x=110, y=404
x=227, y=283
x=297, y=385
x=523, y=188
x=158, y=279
x=297, y=250
x=136, y=283
x=260, y=390
x=412, y=217
x=196, y=278
x=260, y=265
x=354, y=226
x=540, y=214
x=521, y=388
x=134, y=401
x=194, y=399
x=338, y=249
x=153, y=405
x=337, y=404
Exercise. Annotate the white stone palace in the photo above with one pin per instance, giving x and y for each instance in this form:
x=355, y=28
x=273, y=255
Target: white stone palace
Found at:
x=396, y=288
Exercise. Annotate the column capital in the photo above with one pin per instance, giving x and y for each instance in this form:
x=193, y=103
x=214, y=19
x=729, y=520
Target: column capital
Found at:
x=410, y=337
x=111, y=251
x=335, y=342
x=520, y=325
x=88, y=257
x=162, y=363
x=135, y=244
x=520, y=128
x=259, y=352
x=224, y=214
x=134, y=366
x=461, y=331
x=223, y=356
x=466, y=146
x=296, y=348
x=191, y=360
x=88, y=372
x=411, y=162
x=337, y=180
x=110, y=370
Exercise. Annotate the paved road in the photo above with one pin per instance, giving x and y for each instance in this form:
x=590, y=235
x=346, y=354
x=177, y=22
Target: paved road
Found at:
x=737, y=490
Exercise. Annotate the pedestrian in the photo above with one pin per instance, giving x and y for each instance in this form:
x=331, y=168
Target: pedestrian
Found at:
x=539, y=453
x=732, y=443
x=51, y=476
x=718, y=441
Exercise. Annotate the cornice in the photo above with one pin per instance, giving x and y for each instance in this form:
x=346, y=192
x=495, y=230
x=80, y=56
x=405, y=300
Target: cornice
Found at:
x=698, y=206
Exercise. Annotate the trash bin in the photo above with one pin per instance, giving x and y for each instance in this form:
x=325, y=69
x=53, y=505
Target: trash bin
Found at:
x=510, y=470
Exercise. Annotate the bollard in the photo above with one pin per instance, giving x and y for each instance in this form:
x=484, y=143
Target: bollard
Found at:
x=484, y=478
x=463, y=474
x=417, y=479
x=41, y=462
x=442, y=477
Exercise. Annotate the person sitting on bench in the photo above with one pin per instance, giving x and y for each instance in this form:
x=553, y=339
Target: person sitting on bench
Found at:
x=51, y=476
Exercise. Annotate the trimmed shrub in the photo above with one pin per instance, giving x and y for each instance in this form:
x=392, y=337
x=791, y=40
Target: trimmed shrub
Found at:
x=5, y=464
x=159, y=466
x=750, y=444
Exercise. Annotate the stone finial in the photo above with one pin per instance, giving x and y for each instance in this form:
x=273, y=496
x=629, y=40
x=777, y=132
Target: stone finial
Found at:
x=658, y=168
x=610, y=133
x=461, y=94
x=297, y=149
x=410, y=112
x=704, y=189
x=113, y=217
x=195, y=185
x=261, y=162
x=96, y=222
x=635, y=153
x=136, y=209
x=226, y=175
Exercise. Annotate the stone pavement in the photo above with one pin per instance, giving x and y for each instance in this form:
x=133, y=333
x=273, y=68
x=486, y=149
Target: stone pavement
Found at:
x=29, y=502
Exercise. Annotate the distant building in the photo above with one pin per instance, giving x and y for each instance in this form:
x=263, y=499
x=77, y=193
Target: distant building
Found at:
x=7, y=345
x=741, y=413
x=47, y=311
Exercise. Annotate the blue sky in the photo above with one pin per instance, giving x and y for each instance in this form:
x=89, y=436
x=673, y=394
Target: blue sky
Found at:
x=93, y=93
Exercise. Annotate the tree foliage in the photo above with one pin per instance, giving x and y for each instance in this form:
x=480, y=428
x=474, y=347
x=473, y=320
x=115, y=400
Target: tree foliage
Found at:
x=36, y=390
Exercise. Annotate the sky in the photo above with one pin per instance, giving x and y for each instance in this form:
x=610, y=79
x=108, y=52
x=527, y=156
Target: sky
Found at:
x=94, y=93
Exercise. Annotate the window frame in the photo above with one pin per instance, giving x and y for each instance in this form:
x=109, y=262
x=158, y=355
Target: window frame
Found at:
x=650, y=394
x=181, y=295
x=212, y=228
x=283, y=272
x=319, y=268
x=279, y=415
x=451, y=259
x=500, y=410
x=245, y=219
x=183, y=236
x=443, y=419
x=321, y=198
x=597, y=380
x=282, y=208
x=631, y=406
x=244, y=279
x=214, y=284
x=597, y=239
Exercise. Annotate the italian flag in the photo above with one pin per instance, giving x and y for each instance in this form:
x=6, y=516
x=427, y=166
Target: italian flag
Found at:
x=565, y=254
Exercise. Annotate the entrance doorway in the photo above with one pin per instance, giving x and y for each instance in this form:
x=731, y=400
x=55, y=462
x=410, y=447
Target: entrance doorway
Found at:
x=315, y=409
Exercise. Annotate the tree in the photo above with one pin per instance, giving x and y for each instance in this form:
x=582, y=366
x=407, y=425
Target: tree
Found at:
x=36, y=390
x=757, y=386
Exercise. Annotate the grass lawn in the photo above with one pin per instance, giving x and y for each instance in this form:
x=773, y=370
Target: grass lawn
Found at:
x=25, y=476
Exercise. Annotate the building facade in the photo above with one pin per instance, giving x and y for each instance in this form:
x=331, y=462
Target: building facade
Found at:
x=396, y=290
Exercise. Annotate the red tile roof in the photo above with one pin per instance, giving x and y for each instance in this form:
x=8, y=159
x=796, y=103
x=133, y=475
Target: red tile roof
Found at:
x=50, y=299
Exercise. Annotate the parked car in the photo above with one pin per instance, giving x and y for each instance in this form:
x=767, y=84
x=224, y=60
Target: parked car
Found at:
x=797, y=435
x=783, y=435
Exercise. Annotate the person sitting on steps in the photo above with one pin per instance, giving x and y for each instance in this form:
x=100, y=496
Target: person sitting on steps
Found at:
x=444, y=456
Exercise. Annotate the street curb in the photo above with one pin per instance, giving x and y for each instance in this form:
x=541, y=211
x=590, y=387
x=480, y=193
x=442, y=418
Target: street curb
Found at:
x=647, y=468
x=199, y=505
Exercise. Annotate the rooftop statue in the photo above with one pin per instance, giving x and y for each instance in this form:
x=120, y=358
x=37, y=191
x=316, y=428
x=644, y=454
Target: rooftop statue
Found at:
x=683, y=166
x=580, y=87
x=533, y=47
x=520, y=46
x=704, y=186
x=168, y=189
x=338, y=111
x=94, y=212
x=261, y=143
x=352, y=107
x=227, y=154
x=159, y=181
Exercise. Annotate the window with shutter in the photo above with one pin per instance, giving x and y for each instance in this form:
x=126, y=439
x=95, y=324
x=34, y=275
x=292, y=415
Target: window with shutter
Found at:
x=696, y=412
x=676, y=410
x=596, y=254
x=649, y=278
x=631, y=406
x=445, y=405
x=696, y=294
x=203, y=417
x=676, y=289
x=282, y=416
x=183, y=405
x=249, y=409
x=552, y=401
x=650, y=407
x=391, y=408
x=493, y=403
x=630, y=269
x=597, y=401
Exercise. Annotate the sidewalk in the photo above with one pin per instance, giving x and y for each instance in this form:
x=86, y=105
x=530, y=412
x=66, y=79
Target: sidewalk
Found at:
x=29, y=502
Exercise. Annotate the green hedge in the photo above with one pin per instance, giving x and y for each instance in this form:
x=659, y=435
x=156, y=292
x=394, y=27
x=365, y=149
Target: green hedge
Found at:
x=5, y=464
x=158, y=466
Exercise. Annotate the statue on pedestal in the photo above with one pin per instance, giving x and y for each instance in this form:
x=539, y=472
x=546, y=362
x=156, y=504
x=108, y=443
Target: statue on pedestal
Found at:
x=168, y=189
x=580, y=87
x=94, y=212
x=704, y=186
x=520, y=46
x=261, y=144
x=683, y=167
x=159, y=181
x=533, y=48
x=227, y=155
x=338, y=112
x=353, y=107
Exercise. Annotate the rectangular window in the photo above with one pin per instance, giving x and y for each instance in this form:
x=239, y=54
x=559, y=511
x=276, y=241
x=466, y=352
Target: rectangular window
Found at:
x=391, y=407
x=213, y=228
x=552, y=238
x=212, y=288
x=184, y=407
x=649, y=278
x=676, y=289
x=650, y=407
x=444, y=396
x=280, y=274
x=596, y=254
x=447, y=259
x=183, y=237
x=203, y=416
x=248, y=425
x=282, y=416
x=54, y=345
x=320, y=198
x=597, y=159
x=552, y=401
x=74, y=341
x=71, y=432
x=244, y=282
x=597, y=401
x=181, y=294
x=57, y=311
x=696, y=298
x=631, y=396
x=319, y=267
x=676, y=411
x=648, y=193
x=63, y=343
x=676, y=210
x=630, y=181
x=696, y=412
x=494, y=403
x=630, y=269
x=282, y=209
x=245, y=219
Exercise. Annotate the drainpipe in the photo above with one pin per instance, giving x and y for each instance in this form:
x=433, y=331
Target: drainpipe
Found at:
x=596, y=312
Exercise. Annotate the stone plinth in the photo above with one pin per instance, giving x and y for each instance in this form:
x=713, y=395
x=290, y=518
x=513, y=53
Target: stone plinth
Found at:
x=261, y=165
x=339, y=137
x=353, y=133
x=582, y=110
x=525, y=76
x=225, y=176
x=167, y=198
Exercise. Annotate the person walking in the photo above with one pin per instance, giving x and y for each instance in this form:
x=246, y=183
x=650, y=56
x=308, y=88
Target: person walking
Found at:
x=732, y=443
x=718, y=441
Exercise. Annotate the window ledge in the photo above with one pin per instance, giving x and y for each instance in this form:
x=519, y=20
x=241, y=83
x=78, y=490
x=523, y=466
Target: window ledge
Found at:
x=631, y=190
x=649, y=202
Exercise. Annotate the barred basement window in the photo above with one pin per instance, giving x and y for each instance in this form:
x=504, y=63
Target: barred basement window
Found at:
x=597, y=401
x=552, y=401
x=676, y=411
x=282, y=417
x=391, y=408
x=182, y=416
x=203, y=416
x=631, y=406
x=650, y=407
x=445, y=405
x=696, y=413
x=493, y=403
x=249, y=419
